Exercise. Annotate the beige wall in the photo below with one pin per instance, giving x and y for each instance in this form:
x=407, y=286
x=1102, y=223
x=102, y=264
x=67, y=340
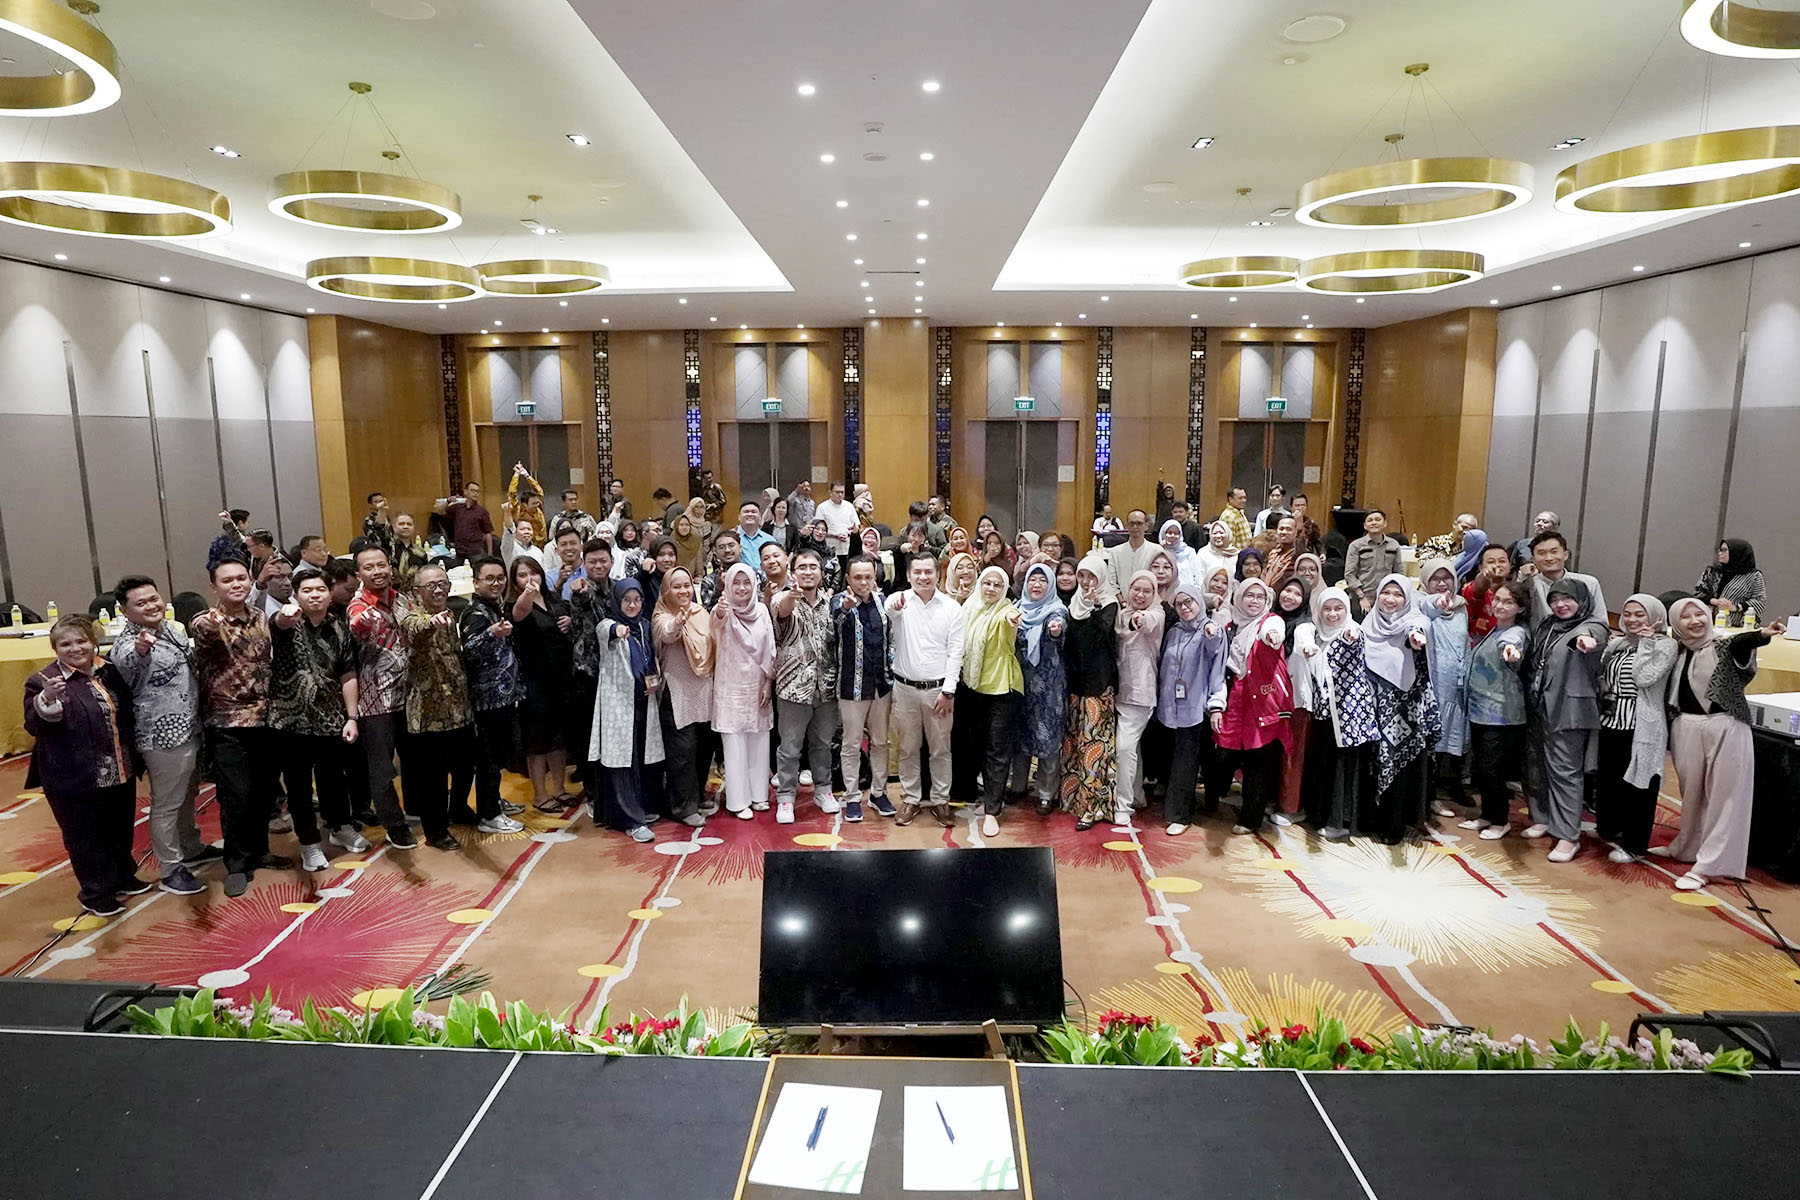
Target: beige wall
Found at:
x=896, y=445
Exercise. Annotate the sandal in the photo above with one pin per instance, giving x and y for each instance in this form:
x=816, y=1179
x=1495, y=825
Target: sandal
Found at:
x=552, y=805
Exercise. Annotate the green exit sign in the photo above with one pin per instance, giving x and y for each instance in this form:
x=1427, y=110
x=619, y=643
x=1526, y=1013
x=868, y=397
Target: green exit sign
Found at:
x=1024, y=403
x=772, y=406
x=1277, y=406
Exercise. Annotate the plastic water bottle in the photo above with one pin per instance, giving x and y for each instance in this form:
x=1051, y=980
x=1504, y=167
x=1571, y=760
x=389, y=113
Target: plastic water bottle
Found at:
x=1719, y=618
x=18, y=616
x=1749, y=618
x=50, y=611
x=168, y=612
x=105, y=615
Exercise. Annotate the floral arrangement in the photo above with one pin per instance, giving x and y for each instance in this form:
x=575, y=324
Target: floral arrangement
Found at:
x=1327, y=1045
x=483, y=1023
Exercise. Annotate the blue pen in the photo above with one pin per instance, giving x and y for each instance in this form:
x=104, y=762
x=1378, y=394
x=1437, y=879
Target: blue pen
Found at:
x=948, y=1132
x=818, y=1124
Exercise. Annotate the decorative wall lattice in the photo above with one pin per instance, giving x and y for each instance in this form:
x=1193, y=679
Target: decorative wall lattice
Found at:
x=690, y=370
x=852, y=405
x=1196, y=419
x=940, y=393
x=453, y=449
x=603, y=438
x=1353, y=399
x=1103, y=364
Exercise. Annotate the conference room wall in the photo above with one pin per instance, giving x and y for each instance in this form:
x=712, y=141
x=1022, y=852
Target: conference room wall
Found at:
x=79, y=353
x=574, y=376
x=1224, y=375
x=824, y=401
x=968, y=433
x=1686, y=446
x=649, y=407
x=896, y=403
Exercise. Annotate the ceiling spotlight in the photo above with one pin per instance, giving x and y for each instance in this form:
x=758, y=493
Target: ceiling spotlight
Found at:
x=917, y=311
x=1253, y=324
x=1081, y=316
x=1362, y=299
x=243, y=295
x=919, y=261
x=1568, y=143
x=999, y=324
x=1639, y=267
x=484, y=331
x=930, y=85
x=1193, y=316
x=1104, y=299
x=162, y=279
x=827, y=158
x=499, y=322
x=683, y=300
x=1260, y=224
x=743, y=327
x=713, y=319
x=843, y=204
x=1202, y=143
x=443, y=306
x=800, y=327
x=545, y=329
x=606, y=320
x=1743, y=245
x=866, y=283
x=849, y=237
x=225, y=152
x=1494, y=300
x=806, y=89
x=1309, y=324
x=857, y=261
x=1306, y=316
x=62, y=258
x=926, y=156
x=921, y=235
x=580, y=139
x=871, y=312
x=924, y=203
x=1059, y=324
x=1232, y=299
x=312, y=310
x=918, y=299
x=1283, y=211
x=1556, y=287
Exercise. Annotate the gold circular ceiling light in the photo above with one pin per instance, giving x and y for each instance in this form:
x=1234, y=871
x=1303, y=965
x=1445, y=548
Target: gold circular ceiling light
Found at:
x=543, y=277
x=1740, y=31
x=366, y=201
x=1390, y=272
x=109, y=202
x=91, y=81
x=394, y=280
x=1479, y=187
x=1241, y=273
x=1703, y=170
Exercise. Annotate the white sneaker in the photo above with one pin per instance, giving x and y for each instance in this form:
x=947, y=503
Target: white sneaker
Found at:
x=1472, y=823
x=1122, y=816
x=1563, y=851
x=826, y=801
x=500, y=824
x=806, y=779
x=312, y=858
x=350, y=838
x=1691, y=882
x=1494, y=833
x=1535, y=831
x=784, y=813
x=1440, y=809
x=1662, y=852
x=990, y=827
x=1283, y=819
x=745, y=814
x=1240, y=829
x=1620, y=856
x=1175, y=829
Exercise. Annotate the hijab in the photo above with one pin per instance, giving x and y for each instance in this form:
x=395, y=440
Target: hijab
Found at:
x=870, y=539
x=1187, y=559
x=643, y=659
x=1216, y=572
x=1067, y=597
x=1740, y=559
x=1385, y=645
x=1703, y=651
x=1469, y=561
x=1165, y=593
x=950, y=540
x=1298, y=616
x=1554, y=626
x=1039, y=613
x=950, y=577
x=769, y=497
x=1244, y=555
x=627, y=543
x=1105, y=592
x=1329, y=632
x=1224, y=547
x=1031, y=539
x=1653, y=608
x=689, y=545
x=742, y=619
x=1244, y=626
x=696, y=635
x=980, y=619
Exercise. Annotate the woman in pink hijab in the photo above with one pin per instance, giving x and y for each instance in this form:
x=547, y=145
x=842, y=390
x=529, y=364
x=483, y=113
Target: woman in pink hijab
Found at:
x=743, y=666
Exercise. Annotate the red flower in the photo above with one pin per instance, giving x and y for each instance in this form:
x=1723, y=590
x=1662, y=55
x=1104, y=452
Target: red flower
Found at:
x=1261, y=1035
x=501, y=1017
x=1343, y=1048
x=606, y=1035
x=1293, y=1033
x=1362, y=1045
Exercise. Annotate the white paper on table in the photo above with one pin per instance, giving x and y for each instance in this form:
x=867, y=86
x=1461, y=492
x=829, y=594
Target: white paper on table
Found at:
x=979, y=1159
x=838, y=1159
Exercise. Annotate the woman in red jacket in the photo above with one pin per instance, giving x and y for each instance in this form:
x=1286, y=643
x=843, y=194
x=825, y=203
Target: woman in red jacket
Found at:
x=1259, y=700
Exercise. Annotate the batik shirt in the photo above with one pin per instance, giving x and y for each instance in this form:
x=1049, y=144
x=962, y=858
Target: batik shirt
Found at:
x=437, y=690
x=306, y=695
x=381, y=654
x=863, y=668
x=233, y=655
x=165, y=690
x=803, y=660
x=489, y=661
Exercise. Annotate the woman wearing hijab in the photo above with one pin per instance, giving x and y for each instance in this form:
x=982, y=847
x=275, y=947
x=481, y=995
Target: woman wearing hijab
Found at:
x=1310, y=570
x=1139, y=629
x=1165, y=502
x=995, y=554
x=690, y=544
x=1190, y=688
x=1468, y=562
x=831, y=570
x=1067, y=571
x=1494, y=699
x=1564, y=698
x=1164, y=575
x=1709, y=741
x=1091, y=664
x=743, y=670
x=870, y=537
x=1043, y=619
x=987, y=702
x=1185, y=557
x=1218, y=551
x=1446, y=651
x=1249, y=564
x=626, y=738
x=1025, y=552
x=1254, y=726
x=1634, y=727
x=546, y=653
x=771, y=496
x=1299, y=643
x=955, y=543
x=1218, y=592
x=1342, y=703
x=1733, y=585
x=959, y=576
x=682, y=632
x=1394, y=640
x=1154, y=746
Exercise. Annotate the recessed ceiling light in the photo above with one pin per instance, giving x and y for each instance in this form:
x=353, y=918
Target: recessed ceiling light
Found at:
x=499, y=322
x=918, y=299
x=806, y=89
x=162, y=279
x=849, y=237
x=1059, y=324
x=1253, y=324
x=243, y=295
x=484, y=331
x=866, y=283
x=1361, y=299
x=917, y=311
x=1639, y=267
x=1231, y=299
x=713, y=319
x=443, y=306
x=559, y=304
x=919, y=261
x=800, y=327
x=999, y=324
x=871, y=312
x=921, y=235
x=545, y=329
x=1193, y=316
x=683, y=300
x=930, y=85
x=918, y=283
x=827, y=158
x=1081, y=316
x=1556, y=287
x=926, y=156
x=1202, y=143
x=226, y=152
x=580, y=139
x=1743, y=245
x=924, y=203
x=1260, y=224
x=1494, y=300
x=857, y=261
x=843, y=204
x=62, y=258
x=743, y=327
x=606, y=320
x=1306, y=316
x=312, y=310
x=1309, y=324
x=1104, y=299
x=1568, y=143
x=1283, y=211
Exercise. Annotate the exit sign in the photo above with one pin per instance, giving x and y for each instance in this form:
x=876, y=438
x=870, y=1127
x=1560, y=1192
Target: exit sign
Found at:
x=772, y=406
x=1277, y=406
x=526, y=408
x=1024, y=403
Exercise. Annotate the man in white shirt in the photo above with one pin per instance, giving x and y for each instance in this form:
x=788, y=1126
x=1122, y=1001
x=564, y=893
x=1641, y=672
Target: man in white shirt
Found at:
x=517, y=541
x=1134, y=553
x=927, y=630
x=841, y=519
x=274, y=586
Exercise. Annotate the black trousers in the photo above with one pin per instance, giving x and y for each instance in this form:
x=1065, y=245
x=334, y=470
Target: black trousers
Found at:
x=626, y=795
x=244, y=768
x=683, y=771
x=1262, y=781
x=1494, y=753
x=578, y=729
x=1156, y=748
x=986, y=725
x=968, y=726
x=96, y=831
x=1188, y=749
x=1622, y=813
x=437, y=770
x=496, y=740
x=309, y=763
x=381, y=734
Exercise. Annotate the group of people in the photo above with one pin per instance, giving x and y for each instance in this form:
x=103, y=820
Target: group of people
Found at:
x=809, y=645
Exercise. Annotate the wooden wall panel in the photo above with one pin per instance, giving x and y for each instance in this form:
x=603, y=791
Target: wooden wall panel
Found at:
x=476, y=407
x=649, y=406
x=897, y=440
x=1323, y=449
x=1149, y=399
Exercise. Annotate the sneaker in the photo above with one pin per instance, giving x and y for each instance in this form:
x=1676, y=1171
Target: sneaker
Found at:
x=806, y=779
x=784, y=813
x=135, y=887
x=1283, y=819
x=853, y=811
x=1494, y=833
x=943, y=815
x=640, y=833
x=745, y=814
x=350, y=838
x=1472, y=823
x=274, y=862
x=1175, y=829
x=236, y=884
x=709, y=807
x=181, y=882
x=1440, y=809
x=1240, y=829
x=1535, y=831
x=281, y=823
x=312, y=858
x=365, y=818
x=826, y=801
x=500, y=824
x=1122, y=816
x=905, y=814
x=881, y=804
x=694, y=821
x=1662, y=851
x=445, y=841
x=1335, y=833
x=108, y=907
x=510, y=809
x=212, y=852
x=401, y=838
x=1691, y=882
x=1563, y=851
x=990, y=826
x=759, y=806
x=1616, y=855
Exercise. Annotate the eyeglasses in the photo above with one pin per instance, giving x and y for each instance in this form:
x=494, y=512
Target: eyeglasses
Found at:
x=436, y=585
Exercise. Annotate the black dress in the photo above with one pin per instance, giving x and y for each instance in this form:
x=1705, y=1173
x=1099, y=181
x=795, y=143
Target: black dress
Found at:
x=546, y=659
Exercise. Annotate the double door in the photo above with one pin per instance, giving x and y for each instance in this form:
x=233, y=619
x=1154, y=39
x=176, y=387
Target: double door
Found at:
x=1265, y=453
x=775, y=454
x=1021, y=474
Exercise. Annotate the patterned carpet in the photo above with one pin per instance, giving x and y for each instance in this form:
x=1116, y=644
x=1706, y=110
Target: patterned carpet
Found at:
x=1212, y=931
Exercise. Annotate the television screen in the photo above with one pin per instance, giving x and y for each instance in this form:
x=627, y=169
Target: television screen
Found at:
x=910, y=937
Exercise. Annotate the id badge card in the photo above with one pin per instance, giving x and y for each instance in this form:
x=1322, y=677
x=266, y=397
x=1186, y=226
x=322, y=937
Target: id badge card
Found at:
x=1180, y=690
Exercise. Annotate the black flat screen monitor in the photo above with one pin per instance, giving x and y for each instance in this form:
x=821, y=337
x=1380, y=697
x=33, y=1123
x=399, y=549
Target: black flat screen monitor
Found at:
x=910, y=937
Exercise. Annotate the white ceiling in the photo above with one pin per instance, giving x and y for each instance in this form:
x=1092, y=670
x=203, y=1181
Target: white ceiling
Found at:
x=704, y=180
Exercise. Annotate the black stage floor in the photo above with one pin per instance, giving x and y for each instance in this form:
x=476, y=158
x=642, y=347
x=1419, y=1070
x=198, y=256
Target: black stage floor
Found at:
x=108, y=1115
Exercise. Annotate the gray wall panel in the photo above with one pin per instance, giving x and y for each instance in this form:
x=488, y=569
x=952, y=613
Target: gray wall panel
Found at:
x=750, y=381
x=1561, y=443
x=174, y=331
x=1509, y=451
x=297, y=473
x=1684, y=497
x=1508, y=504
x=792, y=362
x=33, y=378
x=191, y=477
x=1615, y=502
x=122, y=488
x=102, y=320
x=1772, y=366
x=1762, y=500
x=1003, y=377
x=1045, y=373
x=234, y=344
x=249, y=482
x=46, y=537
x=287, y=368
